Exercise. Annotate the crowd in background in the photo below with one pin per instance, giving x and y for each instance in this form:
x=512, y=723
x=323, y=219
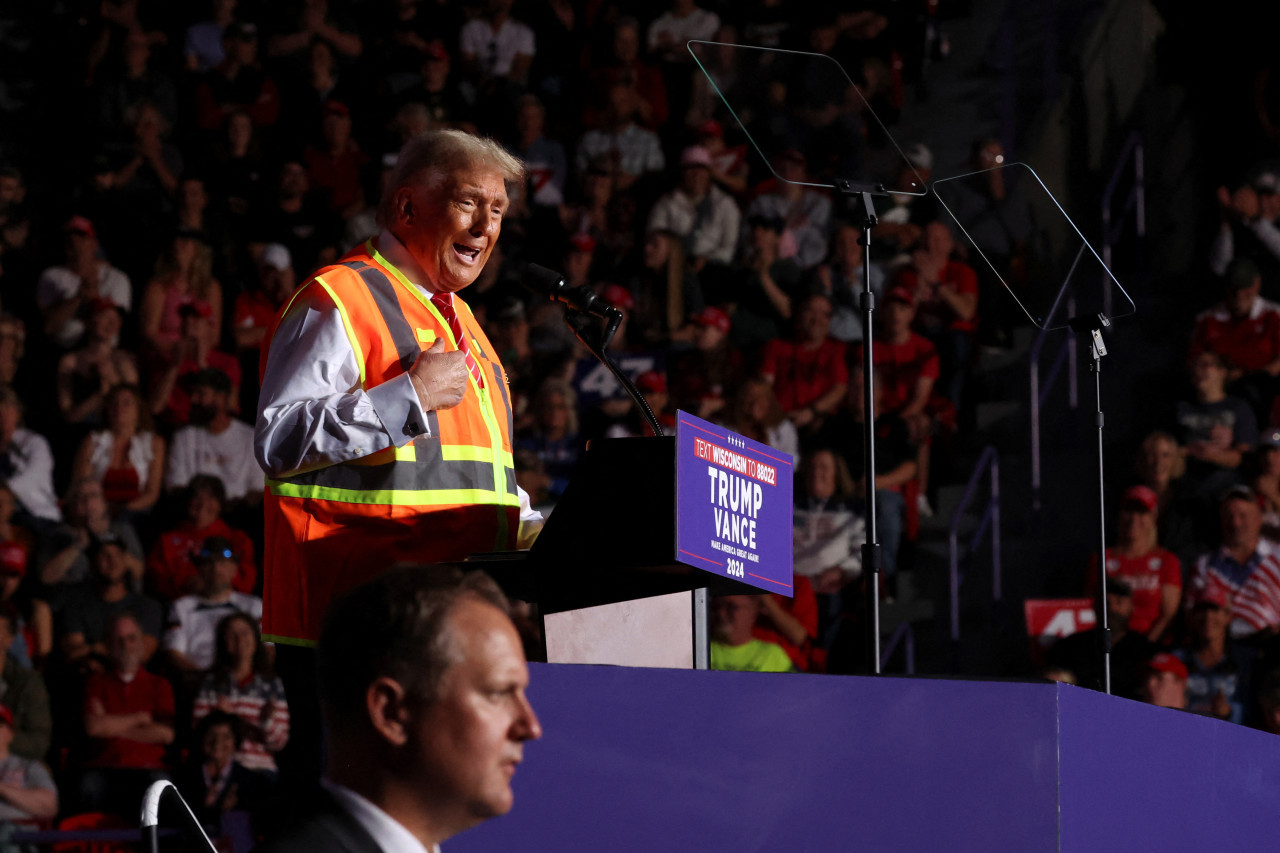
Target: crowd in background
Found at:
x=224, y=153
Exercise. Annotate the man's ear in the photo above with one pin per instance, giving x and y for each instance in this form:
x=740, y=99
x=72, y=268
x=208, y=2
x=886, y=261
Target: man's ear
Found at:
x=385, y=702
x=405, y=211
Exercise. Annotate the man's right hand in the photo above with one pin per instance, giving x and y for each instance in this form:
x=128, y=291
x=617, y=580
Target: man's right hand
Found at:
x=439, y=377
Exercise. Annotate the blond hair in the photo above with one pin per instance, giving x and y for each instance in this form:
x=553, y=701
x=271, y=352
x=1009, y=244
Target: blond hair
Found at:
x=445, y=151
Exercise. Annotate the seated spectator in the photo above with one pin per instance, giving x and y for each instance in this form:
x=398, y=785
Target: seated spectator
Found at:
x=126, y=457
x=11, y=530
x=840, y=280
x=701, y=214
x=151, y=166
x=805, y=213
x=766, y=288
x=828, y=535
x=32, y=634
x=243, y=683
x=67, y=293
x=312, y=20
x=705, y=376
x=625, y=66
x=90, y=608
x=1266, y=482
x=336, y=166
x=236, y=168
x=1247, y=228
x=1081, y=653
x=546, y=165
x=255, y=310
x=171, y=573
x=296, y=218
x=733, y=646
x=237, y=83
x=26, y=463
x=632, y=151
x=1246, y=567
x=213, y=442
x=214, y=782
x=808, y=371
x=1215, y=429
x=791, y=621
x=667, y=292
x=1269, y=703
x=197, y=352
x=896, y=463
x=321, y=83
x=671, y=30
x=87, y=375
x=190, y=638
x=757, y=415
x=729, y=166
x=1160, y=467
x=497, y=51
x=202, y=45
x=134, y=83
x=86, y=517
x=1244, y=329
x=553, y=435
x=25, y=696
x=184, y=276
x=1153, y=574
x=945, y=291
x=907, y=367
x=1164, y=682
x=27, y=791
x=128, y=717
x=1220, y=671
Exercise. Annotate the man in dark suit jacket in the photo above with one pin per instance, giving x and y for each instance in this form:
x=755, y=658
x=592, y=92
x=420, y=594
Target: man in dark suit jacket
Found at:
x=422, y=682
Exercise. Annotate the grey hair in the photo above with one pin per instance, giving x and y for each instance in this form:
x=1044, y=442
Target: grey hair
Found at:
x=444, y=151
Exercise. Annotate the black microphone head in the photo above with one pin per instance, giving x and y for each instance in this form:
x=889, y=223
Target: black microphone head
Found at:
x=541, y=280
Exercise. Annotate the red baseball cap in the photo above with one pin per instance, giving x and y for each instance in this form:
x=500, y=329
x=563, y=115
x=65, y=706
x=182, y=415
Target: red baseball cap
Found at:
x=6, y=716
x=336, y=108
x=196, y=308
x=1165, y=662
x=652, y=382
x=712, y=316
x=618, y=296
x=1142, y=496
x=899, y=294
x=80, y=225
x=582, y=242
x=710, y=127
x=13, y=559
x=436, y=50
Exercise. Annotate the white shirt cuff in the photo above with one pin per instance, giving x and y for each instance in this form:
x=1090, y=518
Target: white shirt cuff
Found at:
x=396, y=404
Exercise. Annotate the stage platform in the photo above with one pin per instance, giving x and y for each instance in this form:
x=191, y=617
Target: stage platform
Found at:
x=674, y=760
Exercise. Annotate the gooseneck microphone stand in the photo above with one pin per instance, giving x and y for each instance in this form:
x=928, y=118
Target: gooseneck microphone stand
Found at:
x=596, y=336
x=865, y=215
x=1089, y=328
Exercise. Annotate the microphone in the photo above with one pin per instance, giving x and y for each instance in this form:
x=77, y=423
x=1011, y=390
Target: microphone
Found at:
x=545, y=282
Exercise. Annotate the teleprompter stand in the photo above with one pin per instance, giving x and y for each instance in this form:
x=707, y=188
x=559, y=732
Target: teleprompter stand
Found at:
x=1089, y=328
x=864, y=213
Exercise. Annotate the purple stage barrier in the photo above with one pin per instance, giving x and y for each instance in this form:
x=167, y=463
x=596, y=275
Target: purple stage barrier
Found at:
x=673, y=760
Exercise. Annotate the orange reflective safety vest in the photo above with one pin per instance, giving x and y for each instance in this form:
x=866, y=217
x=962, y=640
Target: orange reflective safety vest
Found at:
x=440, y=497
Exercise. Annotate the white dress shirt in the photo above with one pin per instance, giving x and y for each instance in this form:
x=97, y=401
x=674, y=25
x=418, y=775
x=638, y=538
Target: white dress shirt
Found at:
x=390, y=834
x=312, y=412
x=29, y=463
x=227, y=455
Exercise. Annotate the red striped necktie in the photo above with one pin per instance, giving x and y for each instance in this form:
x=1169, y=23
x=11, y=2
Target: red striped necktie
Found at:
x=444, y=304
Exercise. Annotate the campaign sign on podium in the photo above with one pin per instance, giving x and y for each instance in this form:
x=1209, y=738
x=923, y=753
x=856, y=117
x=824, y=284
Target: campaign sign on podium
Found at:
x=733, y=505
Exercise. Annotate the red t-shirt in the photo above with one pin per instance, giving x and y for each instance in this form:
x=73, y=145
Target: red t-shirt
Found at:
x=801, y=375
x=1249, y=344
x=934, y=312
x=1145, y=575
x=900, y=368
x=145, y=692
x=170, y=572
x=803, y=605
x=253, y=310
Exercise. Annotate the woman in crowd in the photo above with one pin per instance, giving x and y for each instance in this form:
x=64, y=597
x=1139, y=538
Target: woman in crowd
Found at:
x=126, y=457
x=1160, y=467
x=242, y=682
x=553, y=436
x=184, y=274
x=87, y=375
x=757, y=414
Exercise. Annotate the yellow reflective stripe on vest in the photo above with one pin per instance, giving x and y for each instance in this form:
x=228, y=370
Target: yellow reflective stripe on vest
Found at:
x=346, y=324
x=472, y=453
x=394, y=497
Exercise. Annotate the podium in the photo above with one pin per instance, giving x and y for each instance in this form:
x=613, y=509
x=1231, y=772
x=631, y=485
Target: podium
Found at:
x=604, y=571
